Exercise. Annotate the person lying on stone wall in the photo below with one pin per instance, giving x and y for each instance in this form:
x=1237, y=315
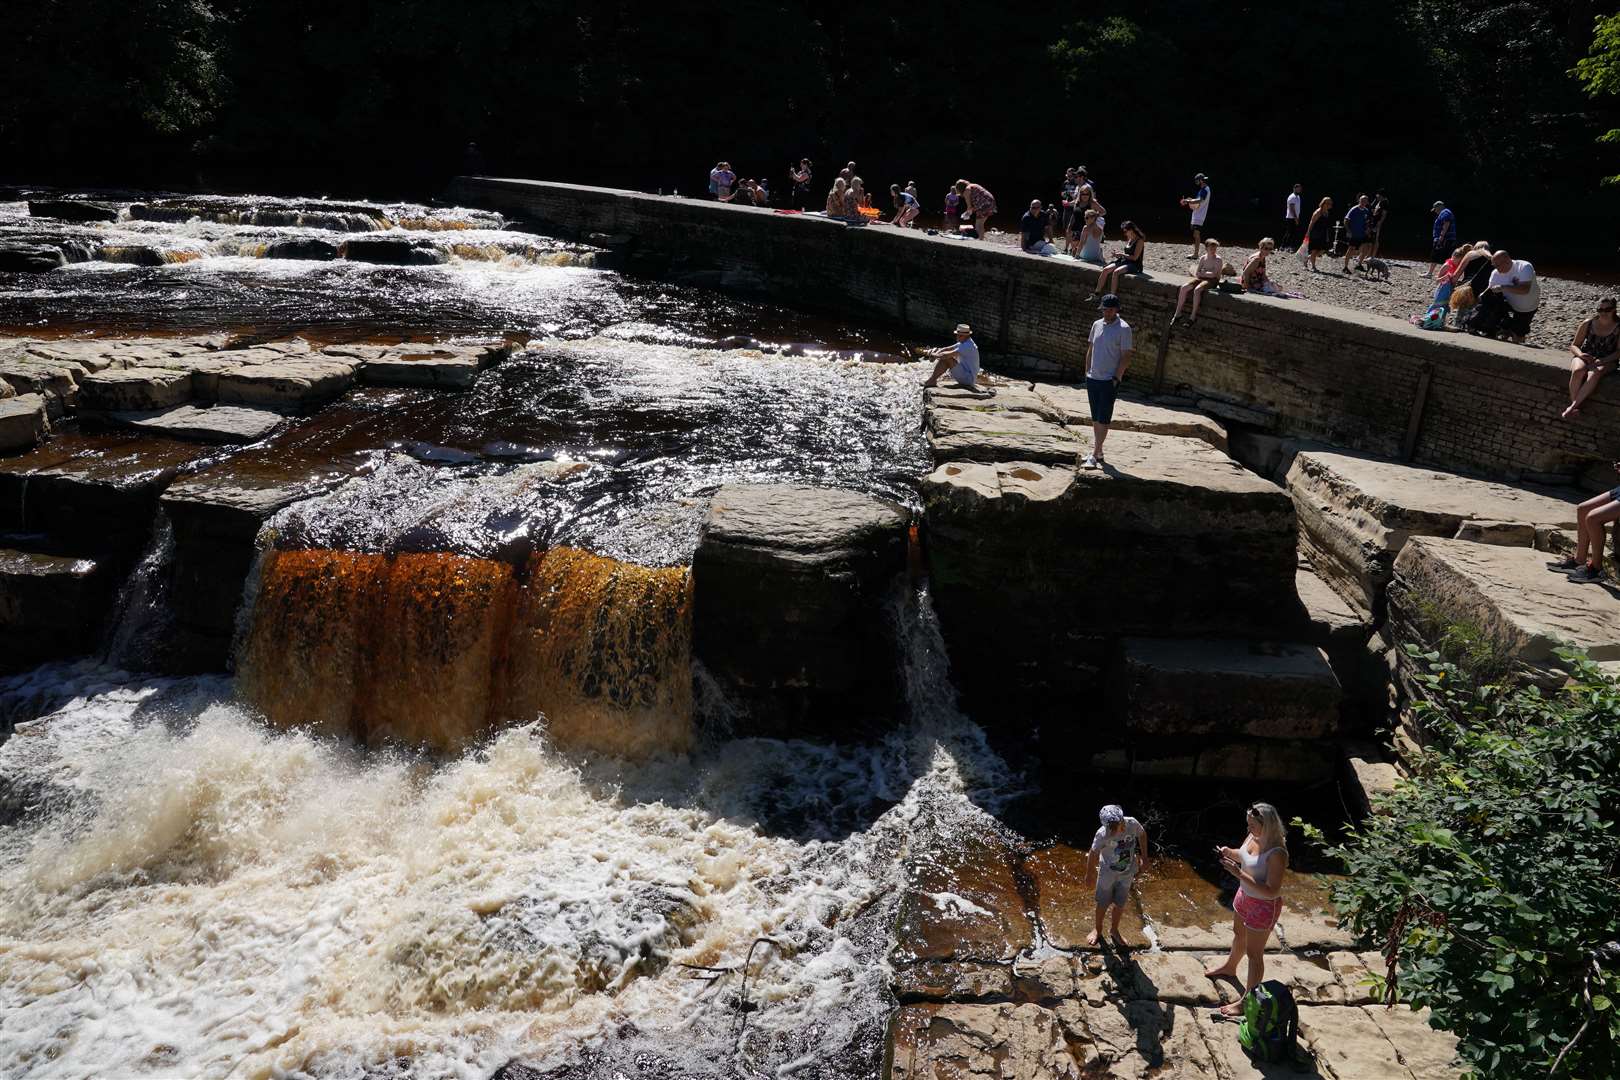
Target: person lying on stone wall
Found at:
x=1032, y=231
x=1595, y=349
x=1259, y=863
x=1118, y=853
x=1512, y=296
x=961, y=360
x=1586, y=565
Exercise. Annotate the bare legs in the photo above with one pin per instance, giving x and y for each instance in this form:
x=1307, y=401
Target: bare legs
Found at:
x=1583, y=379
x=981, y=224
x=1108, y=275
x=1245, y=943
x=1590, y=519
x=1198, y=287
x=1113, y=925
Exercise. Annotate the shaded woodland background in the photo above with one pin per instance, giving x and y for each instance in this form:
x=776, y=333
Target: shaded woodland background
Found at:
x=1468, y=102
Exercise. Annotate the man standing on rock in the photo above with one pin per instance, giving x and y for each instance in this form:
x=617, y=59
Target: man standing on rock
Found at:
x=961, y=360
x=1108, y=354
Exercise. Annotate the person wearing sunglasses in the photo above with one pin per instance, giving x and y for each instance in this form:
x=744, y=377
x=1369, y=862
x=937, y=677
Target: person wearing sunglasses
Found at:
x=1259, y=864
x=1595, y=348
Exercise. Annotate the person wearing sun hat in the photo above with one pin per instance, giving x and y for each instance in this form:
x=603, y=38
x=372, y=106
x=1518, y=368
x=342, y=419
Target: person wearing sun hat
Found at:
x=961, y=360
x=1119, y=851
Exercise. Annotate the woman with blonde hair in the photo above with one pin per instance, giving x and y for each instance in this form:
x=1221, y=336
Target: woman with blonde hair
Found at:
x=1259, y=864
x=836, y=207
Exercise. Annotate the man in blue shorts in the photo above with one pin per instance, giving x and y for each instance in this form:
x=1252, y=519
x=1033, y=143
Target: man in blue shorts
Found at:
x=1108, y=354
x=1356, y=223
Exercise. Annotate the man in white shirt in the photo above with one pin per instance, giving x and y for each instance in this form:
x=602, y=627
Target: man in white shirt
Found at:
x=961, y=360
x=1291, y=216
x=1108, y=354
x=1199, y=205
x=1514, y=280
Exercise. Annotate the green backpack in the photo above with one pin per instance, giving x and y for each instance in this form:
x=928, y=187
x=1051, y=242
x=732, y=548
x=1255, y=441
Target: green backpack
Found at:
x=1269, y=1030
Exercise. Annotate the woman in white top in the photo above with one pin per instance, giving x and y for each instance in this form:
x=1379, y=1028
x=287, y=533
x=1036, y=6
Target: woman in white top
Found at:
x=1259, y=865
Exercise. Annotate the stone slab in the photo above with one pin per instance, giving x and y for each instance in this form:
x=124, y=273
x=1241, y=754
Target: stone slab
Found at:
x=133, y=389
x=452, y=367
x=199, y=423
x=996, y=1042
x=1509, y=594
x=1367, y=777
x=290, y=384
x=967, y=980
x=1010, y=397
x=23, y=422
x=1356, y=512
x=1065, y=907
x=1430, y=1054
x=1070, y=405
x=962, y=902
x=1178, y=977
x=1207, y=686
x=958, y=434
x=1349, y=1045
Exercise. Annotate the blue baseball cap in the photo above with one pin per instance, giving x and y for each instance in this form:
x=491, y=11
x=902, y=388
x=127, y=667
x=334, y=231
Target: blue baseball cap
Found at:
x=1110, y=300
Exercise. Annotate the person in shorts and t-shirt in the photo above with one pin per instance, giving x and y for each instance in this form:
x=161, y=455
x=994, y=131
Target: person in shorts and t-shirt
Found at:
x=1108, y=354
x=961, y=360
x=1118, y=853
x=1199, y=205
x=1515, y=281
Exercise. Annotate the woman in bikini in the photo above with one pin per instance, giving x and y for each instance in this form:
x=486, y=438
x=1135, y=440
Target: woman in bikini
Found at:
x=1128, y=261
x=1254, y=277
x=1595, y=348
x=1259, y=865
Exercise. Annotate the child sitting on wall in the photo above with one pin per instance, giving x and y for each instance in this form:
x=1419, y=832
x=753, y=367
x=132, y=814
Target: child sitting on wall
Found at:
x=1118, y=854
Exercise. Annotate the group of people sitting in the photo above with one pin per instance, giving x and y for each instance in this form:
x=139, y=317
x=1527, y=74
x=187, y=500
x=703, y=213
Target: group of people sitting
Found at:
x=725, y=187
x=1485, y=292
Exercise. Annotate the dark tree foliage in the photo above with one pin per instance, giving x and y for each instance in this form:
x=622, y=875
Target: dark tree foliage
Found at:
x=1470, y=102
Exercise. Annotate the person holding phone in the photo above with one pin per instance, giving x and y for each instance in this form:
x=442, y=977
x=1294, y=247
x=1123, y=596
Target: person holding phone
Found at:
x=1260, y=864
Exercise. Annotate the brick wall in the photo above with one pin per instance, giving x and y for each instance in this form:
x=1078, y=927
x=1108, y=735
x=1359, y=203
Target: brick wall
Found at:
x=1300, y=368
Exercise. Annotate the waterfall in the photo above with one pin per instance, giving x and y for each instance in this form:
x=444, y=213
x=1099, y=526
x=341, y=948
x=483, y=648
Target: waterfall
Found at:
x=437, y=650
x=141, y=621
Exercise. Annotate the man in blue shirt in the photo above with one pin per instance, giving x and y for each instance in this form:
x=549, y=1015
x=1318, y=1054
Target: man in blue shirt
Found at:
x=1108, y=354
x=1445, y=237
x=1355, y=230
x=961, y=360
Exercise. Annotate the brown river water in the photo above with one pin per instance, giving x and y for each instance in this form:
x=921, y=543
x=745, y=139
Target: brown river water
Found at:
x=189, y=886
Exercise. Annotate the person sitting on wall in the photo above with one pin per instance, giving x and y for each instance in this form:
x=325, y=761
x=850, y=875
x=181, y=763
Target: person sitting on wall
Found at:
x=1119, y=851
x=1125, y=261
x=1255, y=279
x=1205, y=274
x=1032, y=231
x=1586, y=565
x=837, y=203
x=961, y=360
x=1595, y=349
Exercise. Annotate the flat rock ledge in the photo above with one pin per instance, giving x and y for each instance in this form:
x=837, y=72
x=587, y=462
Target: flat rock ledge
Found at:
x=1357, y=512
x=789, y=584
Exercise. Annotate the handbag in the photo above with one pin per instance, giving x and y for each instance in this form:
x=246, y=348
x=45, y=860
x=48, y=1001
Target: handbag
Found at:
x=1304, y=253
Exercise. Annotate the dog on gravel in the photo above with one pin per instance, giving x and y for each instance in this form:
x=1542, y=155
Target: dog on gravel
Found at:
x=1377, y=268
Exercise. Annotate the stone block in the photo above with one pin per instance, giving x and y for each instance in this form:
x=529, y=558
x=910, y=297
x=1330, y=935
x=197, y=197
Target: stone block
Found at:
x=1338, y=627
x=206, y=368
x=1366, y=776
x=1009, y=397
x=50, y=607
x=1506, y=533
x=23, y=422
x=1508, y=595
x=1356, y=512
x=1216, y=686
x=204, y=423
x=290, y=385
x=962, y=902
x=57, y=382
x=1135, y=1040
x=1070, y=405
x=25, y=258
x=133, y=390
x=452, y=367
x=998, y=435
x=302, y=247
x=1295, y=761
x=1428, y=1052
x=72, y=210
x=392, y=251
x=1268, y=455
x=1003, y=1042
x=789, y=590
x=1349, y=1045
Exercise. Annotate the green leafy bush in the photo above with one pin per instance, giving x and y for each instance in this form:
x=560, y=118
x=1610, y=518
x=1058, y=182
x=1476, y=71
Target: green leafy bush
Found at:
x=1493, y=874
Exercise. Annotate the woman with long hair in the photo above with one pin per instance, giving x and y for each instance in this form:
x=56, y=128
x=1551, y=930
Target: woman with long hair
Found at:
x=1316, y=233
x=1595, y=349
x=836, y=207
x=981, y=205
x=1259, y=864
x=1126, y=261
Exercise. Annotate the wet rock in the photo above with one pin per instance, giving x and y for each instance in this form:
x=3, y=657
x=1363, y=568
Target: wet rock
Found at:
x=1307, y=927
x=50, y=607
x=1065, y=906
x=133, y=390
x=30, y=258
x=57, y=382
x=453, y=367
x=289, y=384
x=392, y=251
x=1012, y=397
x=996, y=434
x=23, y=422
x=71, y=210
x=132, y=254
x=205, y=368
x=211, y=424
x=968, y=980
x=1220, y=686
x=302, y=247
x=1356, y=512
x=1070, y=405
x=789, y=586
x=962, y=903
x=1035, y=566
x=1507, y=595
x=997, y=1042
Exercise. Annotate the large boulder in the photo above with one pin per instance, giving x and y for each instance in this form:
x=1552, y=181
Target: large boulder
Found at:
x=789, y=587
x=1357, y=511
x=71, y=210
x=28, y=258
x=1036, y=567
x=50, y=607
x=302, y=247
x=23, y=422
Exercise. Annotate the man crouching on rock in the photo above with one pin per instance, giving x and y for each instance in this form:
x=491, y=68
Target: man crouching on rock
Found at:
x=1118, y=853
x=961, y=360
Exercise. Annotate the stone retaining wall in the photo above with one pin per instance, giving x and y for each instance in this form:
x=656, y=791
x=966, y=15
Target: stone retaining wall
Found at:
x=1289, y=367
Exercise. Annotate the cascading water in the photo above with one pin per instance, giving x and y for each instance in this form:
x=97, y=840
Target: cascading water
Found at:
x=141, y=619
x=189, y=892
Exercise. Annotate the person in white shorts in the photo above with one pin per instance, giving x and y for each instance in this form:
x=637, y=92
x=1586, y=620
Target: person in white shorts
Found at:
x=1119, y=852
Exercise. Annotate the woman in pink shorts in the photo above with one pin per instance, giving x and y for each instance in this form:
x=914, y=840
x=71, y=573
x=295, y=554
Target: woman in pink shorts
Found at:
x=1259, y=865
